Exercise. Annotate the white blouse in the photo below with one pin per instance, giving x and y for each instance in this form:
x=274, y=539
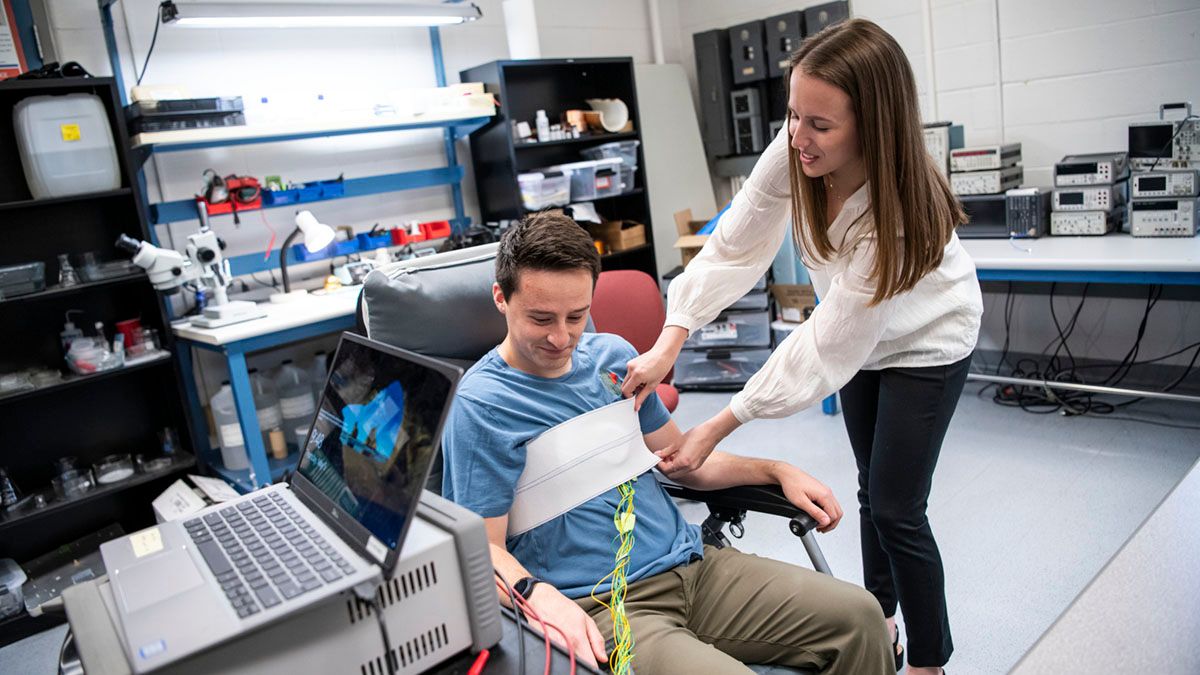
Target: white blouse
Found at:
x=936, y=323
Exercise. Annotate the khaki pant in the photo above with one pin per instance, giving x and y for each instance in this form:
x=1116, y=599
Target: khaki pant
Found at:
x=731, y=608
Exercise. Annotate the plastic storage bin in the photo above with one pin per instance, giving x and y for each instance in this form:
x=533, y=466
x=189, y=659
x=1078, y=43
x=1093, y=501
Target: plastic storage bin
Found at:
x=541, y=190
x=626, y=151
x=733, y=329
x=66, y=145
x=752, y=301
x=273, y=197
x=627, y=178
x=668, y=277
x=436, y=229
x=21, y=279
x=718, y=368
x=370, y=242
x=593, y=179
x=12, y=578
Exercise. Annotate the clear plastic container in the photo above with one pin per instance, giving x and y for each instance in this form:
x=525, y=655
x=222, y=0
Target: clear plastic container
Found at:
x=66, y=145
x=592, y=179
x=12, y=578
x=21, y=279
x=270, y=416
x=113, y=469
x=540, y=190
x=752, y=301
x=229, y=431
x=626, y=151
x=295, y=401
x=318, y=372
x=718, y=368
x=733, y=329
x=627, y=174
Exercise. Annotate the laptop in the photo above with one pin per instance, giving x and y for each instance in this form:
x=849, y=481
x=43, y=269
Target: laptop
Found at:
x=336, y=524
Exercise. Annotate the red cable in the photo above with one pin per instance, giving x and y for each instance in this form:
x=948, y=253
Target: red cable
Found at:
x=525, y=607
x=528, y=609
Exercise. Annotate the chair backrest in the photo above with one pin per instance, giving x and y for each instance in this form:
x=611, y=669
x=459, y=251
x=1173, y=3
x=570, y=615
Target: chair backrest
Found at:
x=629, y=303
x=440, y=306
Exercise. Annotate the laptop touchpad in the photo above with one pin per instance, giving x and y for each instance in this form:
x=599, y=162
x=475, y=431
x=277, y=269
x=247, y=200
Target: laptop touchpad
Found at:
x=157, y=578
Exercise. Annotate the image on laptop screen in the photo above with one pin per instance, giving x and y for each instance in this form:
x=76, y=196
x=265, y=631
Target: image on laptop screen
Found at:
x=373, y=439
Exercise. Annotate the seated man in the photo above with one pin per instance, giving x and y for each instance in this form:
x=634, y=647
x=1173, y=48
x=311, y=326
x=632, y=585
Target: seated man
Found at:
x=692, y=609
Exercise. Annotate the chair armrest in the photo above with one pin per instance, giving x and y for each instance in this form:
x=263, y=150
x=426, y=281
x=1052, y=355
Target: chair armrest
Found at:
x=767, y=499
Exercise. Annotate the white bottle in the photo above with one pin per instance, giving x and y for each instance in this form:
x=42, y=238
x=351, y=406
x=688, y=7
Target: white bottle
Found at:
x=229, y=432
x=270, y=417
x=543, y=126
x=318, y=372
x=295, y=401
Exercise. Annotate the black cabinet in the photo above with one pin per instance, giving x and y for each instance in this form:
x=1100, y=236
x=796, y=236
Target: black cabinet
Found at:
x=118, y=411
x=522, y=87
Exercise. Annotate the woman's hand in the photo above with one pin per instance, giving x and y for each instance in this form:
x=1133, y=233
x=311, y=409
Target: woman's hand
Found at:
x=687, y=454
x=693, y=448
x=644, y=373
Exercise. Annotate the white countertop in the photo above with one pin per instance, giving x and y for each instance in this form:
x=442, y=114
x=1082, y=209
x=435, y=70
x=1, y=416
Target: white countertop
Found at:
x=280, y=316
x=1110, y=253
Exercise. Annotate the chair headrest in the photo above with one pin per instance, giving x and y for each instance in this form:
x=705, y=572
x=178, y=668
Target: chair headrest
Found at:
x=440, y=306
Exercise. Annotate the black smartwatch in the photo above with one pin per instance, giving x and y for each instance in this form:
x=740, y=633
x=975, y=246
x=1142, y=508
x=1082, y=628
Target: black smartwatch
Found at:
x=524, y=587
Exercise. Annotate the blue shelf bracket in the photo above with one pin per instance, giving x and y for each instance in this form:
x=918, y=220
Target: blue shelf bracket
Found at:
x=439, y=70
x=110, y=42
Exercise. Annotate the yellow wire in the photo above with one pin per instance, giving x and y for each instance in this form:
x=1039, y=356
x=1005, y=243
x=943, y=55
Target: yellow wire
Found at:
x=621, y=658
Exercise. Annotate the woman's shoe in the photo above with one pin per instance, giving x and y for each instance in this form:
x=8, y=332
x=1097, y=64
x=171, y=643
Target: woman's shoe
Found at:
x=899, y=652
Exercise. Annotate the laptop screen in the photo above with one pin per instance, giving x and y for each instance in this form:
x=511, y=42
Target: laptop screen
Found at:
x=374, y=437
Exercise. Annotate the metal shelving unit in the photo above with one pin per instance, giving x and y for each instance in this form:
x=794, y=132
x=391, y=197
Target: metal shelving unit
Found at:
x=556, y=85
x=83, y=416
x=149, y=144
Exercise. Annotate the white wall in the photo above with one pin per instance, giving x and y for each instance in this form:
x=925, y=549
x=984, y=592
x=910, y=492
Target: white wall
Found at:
x=1060, y=76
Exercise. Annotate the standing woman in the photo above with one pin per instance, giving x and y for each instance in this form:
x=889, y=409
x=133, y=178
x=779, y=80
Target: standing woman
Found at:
x=899, y=313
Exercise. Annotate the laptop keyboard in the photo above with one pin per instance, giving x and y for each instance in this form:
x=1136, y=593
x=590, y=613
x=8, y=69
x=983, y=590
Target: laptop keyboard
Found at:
x=263, y=552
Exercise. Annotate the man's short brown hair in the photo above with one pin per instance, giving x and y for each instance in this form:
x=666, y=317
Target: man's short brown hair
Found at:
x=544, y=241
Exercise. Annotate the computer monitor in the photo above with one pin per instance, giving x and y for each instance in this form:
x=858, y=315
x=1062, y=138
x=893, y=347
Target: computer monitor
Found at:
x=373, y=441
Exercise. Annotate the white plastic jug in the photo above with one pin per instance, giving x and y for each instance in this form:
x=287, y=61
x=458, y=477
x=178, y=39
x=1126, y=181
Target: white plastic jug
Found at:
x=229, y=431
x=295, y=400
x=66, y=145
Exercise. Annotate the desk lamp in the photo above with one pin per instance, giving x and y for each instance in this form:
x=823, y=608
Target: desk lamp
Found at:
x=317, y=236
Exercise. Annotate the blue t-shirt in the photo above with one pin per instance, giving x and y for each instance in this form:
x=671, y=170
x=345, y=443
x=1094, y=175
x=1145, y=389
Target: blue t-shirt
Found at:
x=498, y=409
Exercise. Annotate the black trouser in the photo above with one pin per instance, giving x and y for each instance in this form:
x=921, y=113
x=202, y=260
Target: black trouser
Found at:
x=896, y=419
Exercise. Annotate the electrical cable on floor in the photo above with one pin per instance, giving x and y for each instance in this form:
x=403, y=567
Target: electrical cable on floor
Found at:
x=1041, y=399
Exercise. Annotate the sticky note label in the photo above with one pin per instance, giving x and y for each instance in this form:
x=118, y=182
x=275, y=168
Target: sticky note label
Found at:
x=146, y=542
x=70, y=132
x=376, y=549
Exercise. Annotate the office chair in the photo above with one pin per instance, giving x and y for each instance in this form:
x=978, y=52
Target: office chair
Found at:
x=442, y=306
x=628, y=303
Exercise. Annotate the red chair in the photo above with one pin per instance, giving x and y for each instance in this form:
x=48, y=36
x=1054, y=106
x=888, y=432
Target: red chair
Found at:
x=628, y=303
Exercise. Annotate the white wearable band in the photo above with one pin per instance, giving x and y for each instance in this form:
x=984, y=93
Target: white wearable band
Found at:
x=578, y=460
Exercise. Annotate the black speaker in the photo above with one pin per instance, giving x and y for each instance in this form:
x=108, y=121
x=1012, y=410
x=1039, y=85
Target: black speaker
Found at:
x=784, y=33
x=821, y=16
x=715, y=81
x=747, y=56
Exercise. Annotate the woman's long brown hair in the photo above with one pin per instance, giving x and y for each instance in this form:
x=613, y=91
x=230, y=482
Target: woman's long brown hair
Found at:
x=913, y=209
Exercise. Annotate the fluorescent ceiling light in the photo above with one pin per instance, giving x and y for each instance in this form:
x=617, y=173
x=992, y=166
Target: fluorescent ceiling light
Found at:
x=328, y=15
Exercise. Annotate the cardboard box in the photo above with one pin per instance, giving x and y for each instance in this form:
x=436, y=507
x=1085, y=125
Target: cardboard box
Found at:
x=620, y=235
x=796, y=301
x=689, y=243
